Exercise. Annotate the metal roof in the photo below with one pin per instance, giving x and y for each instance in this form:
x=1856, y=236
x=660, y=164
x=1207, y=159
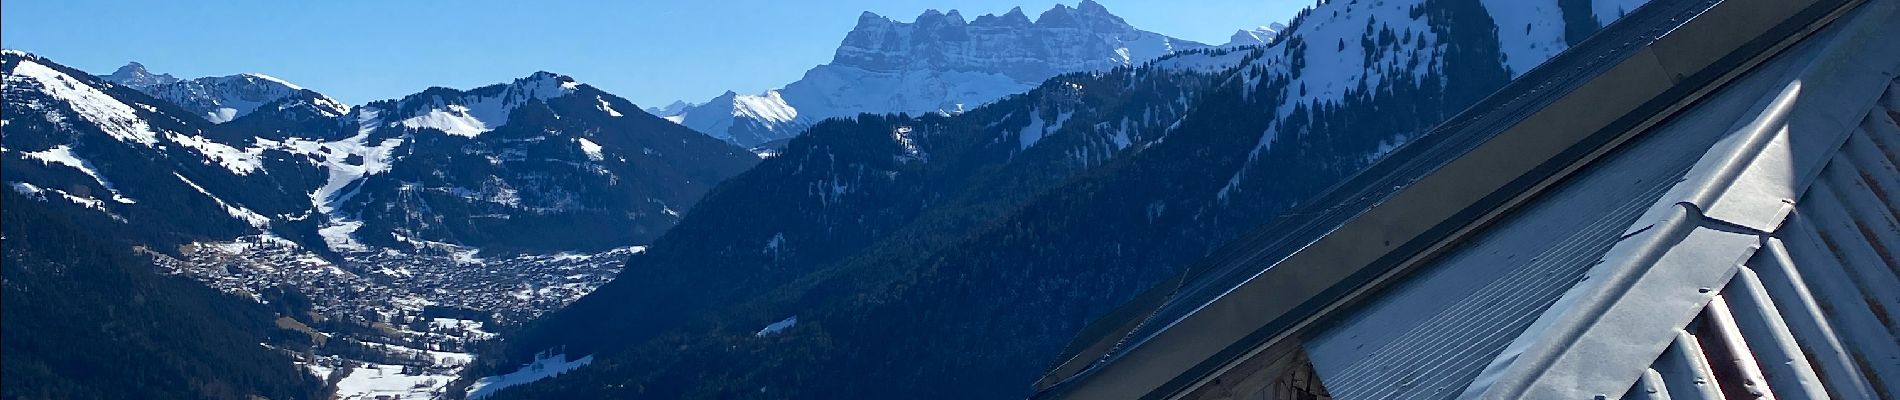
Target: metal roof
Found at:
x=1503, y=297
x=1776, y=255
x=1575, y=295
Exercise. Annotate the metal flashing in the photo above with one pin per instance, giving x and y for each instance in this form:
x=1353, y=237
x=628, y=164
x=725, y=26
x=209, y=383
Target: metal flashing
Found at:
x=1750, y=185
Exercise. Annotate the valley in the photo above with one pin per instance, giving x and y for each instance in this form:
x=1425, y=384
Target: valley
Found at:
x=392, y=322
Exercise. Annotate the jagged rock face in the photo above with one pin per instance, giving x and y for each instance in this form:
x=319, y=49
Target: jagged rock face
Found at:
x=939, y=62
x=135, y=75
x=1063, y=39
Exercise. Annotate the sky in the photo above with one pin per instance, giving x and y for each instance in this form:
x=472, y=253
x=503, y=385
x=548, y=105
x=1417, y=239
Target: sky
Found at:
x=650, y=52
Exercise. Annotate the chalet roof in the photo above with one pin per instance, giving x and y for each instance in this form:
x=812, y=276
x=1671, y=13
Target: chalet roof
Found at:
x=1556, y=240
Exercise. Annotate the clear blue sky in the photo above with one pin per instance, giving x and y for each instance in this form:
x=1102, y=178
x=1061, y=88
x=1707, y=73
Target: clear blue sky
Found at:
x=651, y=52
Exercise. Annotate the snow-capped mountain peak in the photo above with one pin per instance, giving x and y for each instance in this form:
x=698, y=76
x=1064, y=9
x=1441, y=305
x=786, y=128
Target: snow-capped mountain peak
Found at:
x=268, y=78
x=135, y=75
x=1256, y=36
x=41, y=89
x=742, y=118
x=473, y=112
x=218, y=99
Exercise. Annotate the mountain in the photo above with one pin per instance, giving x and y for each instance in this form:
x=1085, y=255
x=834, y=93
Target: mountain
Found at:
x=95, y=184
x=939, y=62
x=1256, y=36
x=88, y=144
x=540, y=164
x=307, y=215
x=952, y=256
x=670, y=109
x=219, y=99
x=746, y=120
x=543, y=163
x=135, y=75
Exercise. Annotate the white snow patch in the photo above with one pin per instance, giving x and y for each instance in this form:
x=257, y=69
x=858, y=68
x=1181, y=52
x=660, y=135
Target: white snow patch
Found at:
x=472, y=115
x=63, y=155
x=592, y=149
x=118, y=120
x=609, y=108
x=454, y=119
x=1203, y=63
x=468, y=256
x=777, y=327
x=39, y=193
x=373, y=381
x=292, y=86
x=340, y=236
x=773, y=245
x=256, y=220
x=902, y=135
x=1037, y=128
x=545, y=365
x=338, y=154
x=241, y=162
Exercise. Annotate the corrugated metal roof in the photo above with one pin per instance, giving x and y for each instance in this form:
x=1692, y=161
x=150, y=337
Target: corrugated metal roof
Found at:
x=1467, y=172
x=1687, y=307
x=1808, y=317
x=1430, y=335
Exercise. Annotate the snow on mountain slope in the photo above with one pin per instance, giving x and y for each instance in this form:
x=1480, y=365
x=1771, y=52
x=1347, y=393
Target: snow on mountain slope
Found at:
x=484, y=109
x=39, y=193
x=157, y=169
x=742, y=118
x=218, y=99
x=93, y=106
x=348, y=160
x=1331, y=55
x=63, y=155
x=939, y=62
x=1529, y=32
x=1254, y=37
x=256, y=220
x=482, y=167
x=549, y=365
x=135, y=75
x=1340, y=48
